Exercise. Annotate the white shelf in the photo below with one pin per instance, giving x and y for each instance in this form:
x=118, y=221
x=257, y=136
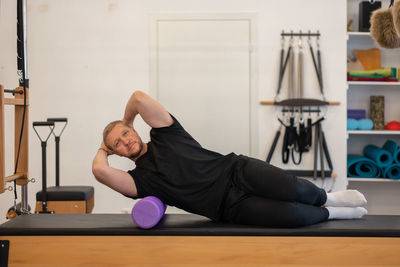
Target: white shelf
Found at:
x=379, y=180
x=358, y=34
x=375, y=83
x=374, y=132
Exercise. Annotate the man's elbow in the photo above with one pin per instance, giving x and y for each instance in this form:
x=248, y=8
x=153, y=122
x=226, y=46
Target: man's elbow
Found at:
x=98, y=172
x=137, y=97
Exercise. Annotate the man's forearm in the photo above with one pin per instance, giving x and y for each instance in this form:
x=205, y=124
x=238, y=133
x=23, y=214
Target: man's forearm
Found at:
x=100, y=162
x=152, y=112
x=132, y=109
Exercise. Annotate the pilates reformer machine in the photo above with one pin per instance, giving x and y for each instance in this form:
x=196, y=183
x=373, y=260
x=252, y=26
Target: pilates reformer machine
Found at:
x=59, y=199
x=114, y=240
x=20, y=101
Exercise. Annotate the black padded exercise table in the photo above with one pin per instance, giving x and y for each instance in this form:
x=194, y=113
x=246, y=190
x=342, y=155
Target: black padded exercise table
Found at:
x=112, y=239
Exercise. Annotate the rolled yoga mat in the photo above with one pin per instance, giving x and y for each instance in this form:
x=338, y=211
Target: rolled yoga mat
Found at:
x=392, y=172
x=362, y=167
x=147, y=212
x=394, y=149
x=382, y=157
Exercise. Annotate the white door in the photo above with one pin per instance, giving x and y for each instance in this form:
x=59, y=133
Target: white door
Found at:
x=202, y=75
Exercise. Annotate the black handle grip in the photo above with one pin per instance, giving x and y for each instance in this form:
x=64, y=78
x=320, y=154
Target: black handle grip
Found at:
x=43, y=123
x=58, y=119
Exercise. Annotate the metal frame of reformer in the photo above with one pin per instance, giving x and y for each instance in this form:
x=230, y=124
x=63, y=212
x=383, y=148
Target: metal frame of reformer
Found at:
x=22, y=172
x=21, y=117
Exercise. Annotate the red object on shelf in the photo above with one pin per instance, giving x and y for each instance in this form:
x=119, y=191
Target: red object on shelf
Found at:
x=393, y=126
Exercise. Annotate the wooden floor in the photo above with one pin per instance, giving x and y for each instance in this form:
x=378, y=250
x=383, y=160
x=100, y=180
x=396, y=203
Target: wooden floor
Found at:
x=202, y=250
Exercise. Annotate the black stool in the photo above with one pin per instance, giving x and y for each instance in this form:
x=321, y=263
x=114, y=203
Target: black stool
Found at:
x=61, y=199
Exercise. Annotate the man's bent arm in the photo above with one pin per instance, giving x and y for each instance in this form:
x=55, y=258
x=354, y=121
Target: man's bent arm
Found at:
x=151, y=111
x=116, y=179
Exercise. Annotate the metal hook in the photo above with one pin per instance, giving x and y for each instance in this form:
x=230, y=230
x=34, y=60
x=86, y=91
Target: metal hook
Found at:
x=300, y=41
x=291, y=39
x=9, y=188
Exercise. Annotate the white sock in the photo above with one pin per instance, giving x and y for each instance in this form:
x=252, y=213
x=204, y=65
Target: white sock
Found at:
x=346, y=198
x=346, y=212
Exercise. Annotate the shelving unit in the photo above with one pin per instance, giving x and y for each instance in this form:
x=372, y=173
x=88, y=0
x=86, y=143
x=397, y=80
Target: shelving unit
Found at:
x=395, y=84
x=358, y=93
x=358, y=34
x=373, y=180
x=374, y=132
x=382, y=193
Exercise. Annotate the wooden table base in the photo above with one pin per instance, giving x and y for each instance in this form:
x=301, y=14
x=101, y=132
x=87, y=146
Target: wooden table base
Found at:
x=201, y=250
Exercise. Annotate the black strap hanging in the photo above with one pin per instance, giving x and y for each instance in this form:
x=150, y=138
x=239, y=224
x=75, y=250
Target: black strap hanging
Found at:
x=282, y=65
x=289, y=140
x=321, y=147
x=273, y=146
x=317, y=67
x=309, y=133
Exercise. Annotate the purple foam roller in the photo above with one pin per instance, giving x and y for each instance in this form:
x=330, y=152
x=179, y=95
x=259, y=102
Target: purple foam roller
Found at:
x=147, y=212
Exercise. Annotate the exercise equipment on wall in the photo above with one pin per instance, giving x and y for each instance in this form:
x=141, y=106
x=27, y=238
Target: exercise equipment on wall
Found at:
x=299, y=116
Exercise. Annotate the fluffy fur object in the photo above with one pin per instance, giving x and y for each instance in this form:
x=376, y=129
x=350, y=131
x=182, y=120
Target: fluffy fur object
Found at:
x=396, y=16
x=382, y=29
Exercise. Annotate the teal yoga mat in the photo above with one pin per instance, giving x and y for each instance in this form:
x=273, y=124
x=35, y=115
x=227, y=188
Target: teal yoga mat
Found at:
x=392, y=172
x=362, y=167
x=382, y=157
x=394, y=149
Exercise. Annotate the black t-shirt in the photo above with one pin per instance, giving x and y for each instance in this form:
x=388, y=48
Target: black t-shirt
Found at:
x=181, y=173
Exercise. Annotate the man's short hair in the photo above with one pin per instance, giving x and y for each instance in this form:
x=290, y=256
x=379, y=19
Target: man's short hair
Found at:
x=109, y=128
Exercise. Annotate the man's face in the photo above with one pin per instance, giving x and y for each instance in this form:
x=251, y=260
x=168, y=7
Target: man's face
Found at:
x=124, y=141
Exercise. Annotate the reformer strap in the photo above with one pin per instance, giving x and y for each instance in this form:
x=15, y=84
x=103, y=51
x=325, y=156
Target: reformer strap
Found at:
x=317, y=68
x=299, y=93
x=289, y=140
x=315, y=151
x=283, y=68
x=309, y=133
x=273, y=146
x=291, y=82
x=320, y=71
x=327, y=155
x=320, y=143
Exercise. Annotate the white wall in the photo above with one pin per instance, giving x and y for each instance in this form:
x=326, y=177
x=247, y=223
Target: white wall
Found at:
x=87, y=57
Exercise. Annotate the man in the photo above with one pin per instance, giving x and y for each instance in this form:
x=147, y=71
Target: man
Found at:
x=177, y=169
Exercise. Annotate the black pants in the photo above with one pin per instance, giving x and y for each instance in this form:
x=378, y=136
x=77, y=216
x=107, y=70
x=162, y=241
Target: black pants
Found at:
x=265, y=195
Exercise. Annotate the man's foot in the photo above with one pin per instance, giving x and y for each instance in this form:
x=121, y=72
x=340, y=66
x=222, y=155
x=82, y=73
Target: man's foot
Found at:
x=346, y=212
x=346, y=198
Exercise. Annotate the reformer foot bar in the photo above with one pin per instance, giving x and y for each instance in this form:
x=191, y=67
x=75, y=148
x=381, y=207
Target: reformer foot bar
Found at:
x=113, y=239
